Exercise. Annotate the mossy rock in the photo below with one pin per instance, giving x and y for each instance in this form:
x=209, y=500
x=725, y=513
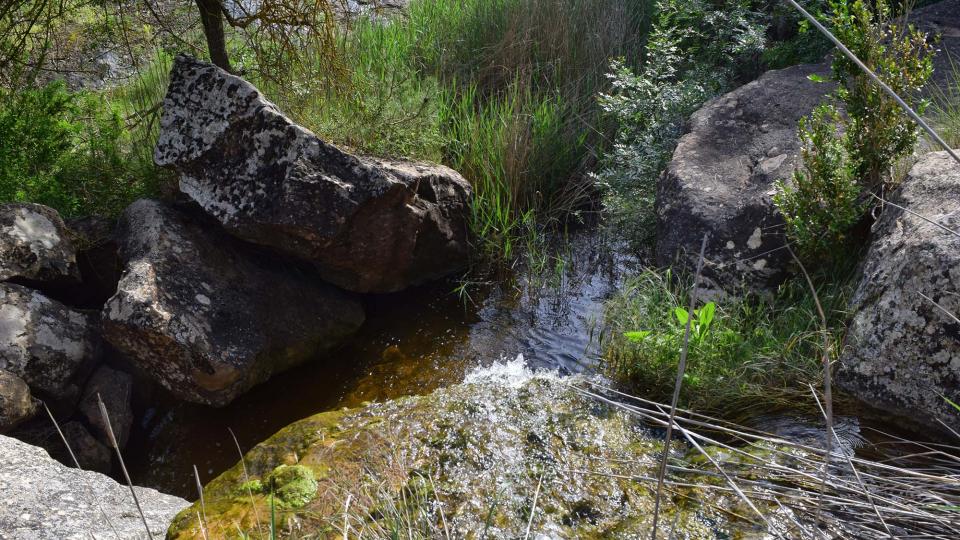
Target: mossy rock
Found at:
x=463, y=460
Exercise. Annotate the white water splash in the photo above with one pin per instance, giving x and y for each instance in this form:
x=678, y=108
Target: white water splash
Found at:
x=510, y=374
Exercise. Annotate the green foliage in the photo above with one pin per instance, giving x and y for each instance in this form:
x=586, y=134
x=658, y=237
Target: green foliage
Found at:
x=742, y=354
x=946, y=108
x=293, y=485
x=822, y=203
x=880, y=133
x=694, y=51
x=70, y=151
x=847, y=157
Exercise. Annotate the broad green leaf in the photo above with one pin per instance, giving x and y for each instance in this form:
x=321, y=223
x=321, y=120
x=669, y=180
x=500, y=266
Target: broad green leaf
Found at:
x=706, y=314
x=681, y=315
x=816, y=78
x=637, y=336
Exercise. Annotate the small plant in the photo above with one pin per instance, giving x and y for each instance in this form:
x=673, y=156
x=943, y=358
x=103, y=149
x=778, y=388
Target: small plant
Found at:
x=846, y=158
x=822, y=203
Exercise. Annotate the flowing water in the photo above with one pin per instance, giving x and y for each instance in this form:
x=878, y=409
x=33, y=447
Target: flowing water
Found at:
x=412, y=343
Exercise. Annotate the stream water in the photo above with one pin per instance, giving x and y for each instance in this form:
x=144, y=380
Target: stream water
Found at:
x=412, y=343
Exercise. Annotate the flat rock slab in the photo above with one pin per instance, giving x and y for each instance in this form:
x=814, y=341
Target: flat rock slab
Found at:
x=369, y=225
x=41, y=499
x=43, y=341
x=206, y=318
x=35, y=244
x=721, y=181
x=902, y=352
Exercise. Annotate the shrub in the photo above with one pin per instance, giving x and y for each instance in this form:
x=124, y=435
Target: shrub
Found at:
x=694, y=52
x=823, y=202
x=880, y=132
x=70, y=151
x=846, y=158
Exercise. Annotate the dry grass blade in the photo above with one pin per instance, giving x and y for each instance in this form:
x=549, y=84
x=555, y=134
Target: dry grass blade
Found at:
x=203, y=505
x=246, y=481
x=76, y=464
x=681, y=367
x=827, y=375
x=533, y=509
x=126, y=475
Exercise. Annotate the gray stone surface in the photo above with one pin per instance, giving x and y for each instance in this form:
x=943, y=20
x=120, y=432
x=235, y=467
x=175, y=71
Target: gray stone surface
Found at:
x=942, y=20
x=42, y=341
x=902, y=352
x=16, y=403
x=41, y=499
x=115, y=388
x=35, y=244
x=370, y=225
x=721, y=181
x=206, y=317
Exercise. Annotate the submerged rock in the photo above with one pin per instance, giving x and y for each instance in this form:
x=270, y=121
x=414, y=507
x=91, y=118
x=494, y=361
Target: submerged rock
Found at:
x=16, y=403
x=902, y=351
x=43, y=341
x=41, y=499
x=369, y=225
x=721, y=181
x=35, y=245
x=475, y=452
x=115, y=388
x=208, y=319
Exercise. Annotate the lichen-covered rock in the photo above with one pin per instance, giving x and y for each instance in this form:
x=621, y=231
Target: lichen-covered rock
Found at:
x=16, y=403
x=207, y=318
x=43, y=341
x=476, y=451
x=35, y=245
x=902, y=351
x=721, y=181
x=115, y=388
x=369, y=225
x=41, y=499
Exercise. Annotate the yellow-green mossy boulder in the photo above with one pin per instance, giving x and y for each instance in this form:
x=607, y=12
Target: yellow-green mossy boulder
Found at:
x=465, y=461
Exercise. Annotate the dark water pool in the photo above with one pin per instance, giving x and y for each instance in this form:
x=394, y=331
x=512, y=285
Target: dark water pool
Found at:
x=413, y=342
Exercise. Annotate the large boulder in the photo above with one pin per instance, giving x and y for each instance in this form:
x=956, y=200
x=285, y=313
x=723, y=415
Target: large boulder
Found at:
x=41, y=499
x=902, y=350
x=370, y=225
x=721, y=181
x=206, y=317
x=35, y=245
x=43, y=341
x=16, y=403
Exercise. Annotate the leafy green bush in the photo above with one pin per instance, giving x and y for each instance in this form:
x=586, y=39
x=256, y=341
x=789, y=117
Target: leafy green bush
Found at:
x=823, y=202
x=880, y=132
x=846, y=158
x=743, y=353
x=70, y=151
x=694, y=52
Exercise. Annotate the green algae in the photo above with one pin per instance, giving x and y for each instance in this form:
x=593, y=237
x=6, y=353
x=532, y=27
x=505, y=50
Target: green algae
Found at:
x=293, y=485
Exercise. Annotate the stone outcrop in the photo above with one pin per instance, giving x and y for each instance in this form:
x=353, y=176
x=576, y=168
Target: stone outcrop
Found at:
x=488, y=439
x=43, y=341
x=721, y=181
x=41, y=499
x=35, y=245
x=369, y=225
x=16, y=403
x=206, y=317
x=902, y=350
x=115, y=388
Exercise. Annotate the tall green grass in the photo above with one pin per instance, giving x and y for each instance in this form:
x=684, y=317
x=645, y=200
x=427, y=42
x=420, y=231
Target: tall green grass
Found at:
x=504, y=91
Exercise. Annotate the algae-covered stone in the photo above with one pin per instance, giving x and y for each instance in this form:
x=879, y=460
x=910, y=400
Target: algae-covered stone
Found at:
x=462, y=460
x=293, y=485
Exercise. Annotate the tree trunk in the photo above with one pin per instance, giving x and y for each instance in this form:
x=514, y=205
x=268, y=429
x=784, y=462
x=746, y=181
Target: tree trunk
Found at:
x=211, y=15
